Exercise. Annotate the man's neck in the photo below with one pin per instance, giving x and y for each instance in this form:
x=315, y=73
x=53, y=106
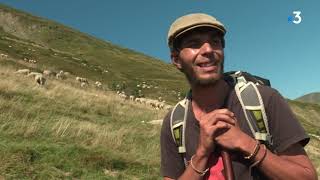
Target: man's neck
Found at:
x=208, y=98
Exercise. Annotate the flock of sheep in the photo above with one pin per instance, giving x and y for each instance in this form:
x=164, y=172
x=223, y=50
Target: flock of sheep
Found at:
x=156, y=104
x=40, y=79
x=3, y=55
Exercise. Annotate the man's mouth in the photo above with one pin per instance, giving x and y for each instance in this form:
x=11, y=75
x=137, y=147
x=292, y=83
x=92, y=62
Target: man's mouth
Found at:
x=207, y=64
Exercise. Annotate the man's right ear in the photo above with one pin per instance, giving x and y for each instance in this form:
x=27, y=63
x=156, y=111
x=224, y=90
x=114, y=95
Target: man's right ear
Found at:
x=176, y=60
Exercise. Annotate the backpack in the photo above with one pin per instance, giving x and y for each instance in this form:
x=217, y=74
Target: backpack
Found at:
x=245, y=86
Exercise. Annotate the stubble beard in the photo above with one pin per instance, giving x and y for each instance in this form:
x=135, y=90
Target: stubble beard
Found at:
x=196, y=81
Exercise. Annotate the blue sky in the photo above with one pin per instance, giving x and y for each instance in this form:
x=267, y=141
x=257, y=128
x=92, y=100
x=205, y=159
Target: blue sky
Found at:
x=259, y=40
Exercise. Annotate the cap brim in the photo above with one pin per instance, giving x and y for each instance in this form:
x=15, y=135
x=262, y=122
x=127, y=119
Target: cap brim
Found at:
x=200, y=25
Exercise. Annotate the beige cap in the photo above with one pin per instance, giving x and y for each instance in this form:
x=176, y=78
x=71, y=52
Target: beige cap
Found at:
x=191, y=21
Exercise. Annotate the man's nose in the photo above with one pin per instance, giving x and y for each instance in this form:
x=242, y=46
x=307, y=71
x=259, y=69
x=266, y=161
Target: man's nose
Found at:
x=206, y=48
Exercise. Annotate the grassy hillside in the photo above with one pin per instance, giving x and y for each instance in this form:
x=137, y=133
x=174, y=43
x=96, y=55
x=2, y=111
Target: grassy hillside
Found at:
x=309, y=115
x=57, y=47
x=310, y=98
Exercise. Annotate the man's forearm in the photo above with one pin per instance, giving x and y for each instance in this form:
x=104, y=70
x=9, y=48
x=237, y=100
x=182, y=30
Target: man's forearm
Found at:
x=290, y=166
x=199, y=163
x=277, y=167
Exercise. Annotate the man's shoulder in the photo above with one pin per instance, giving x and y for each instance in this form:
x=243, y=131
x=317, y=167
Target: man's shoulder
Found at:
x=270, y=94
x=265, y=91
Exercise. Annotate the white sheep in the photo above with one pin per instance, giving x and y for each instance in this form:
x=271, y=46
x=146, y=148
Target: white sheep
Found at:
x=82, y=80
x=48, y=73
x=160, y=105
x=34, y=74
x=168, y=107
x=98, y=84
x=123, y=95
x=60, y=75
x=131, y=98
x=40, y=79
x=137, y=100
x=83, y=84
x=150, y=102
x=3, y=55
x=141, y=100
x=23, y=71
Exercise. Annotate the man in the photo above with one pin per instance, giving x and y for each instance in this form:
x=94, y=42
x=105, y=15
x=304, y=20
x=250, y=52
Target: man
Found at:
x=197, y=43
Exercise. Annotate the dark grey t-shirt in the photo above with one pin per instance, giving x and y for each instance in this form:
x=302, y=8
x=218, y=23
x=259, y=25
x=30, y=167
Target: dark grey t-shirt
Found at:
x=283, y=125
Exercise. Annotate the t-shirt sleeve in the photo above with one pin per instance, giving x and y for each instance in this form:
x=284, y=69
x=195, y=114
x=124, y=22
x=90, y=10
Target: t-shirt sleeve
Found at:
x=284, y=126
x=171, y=161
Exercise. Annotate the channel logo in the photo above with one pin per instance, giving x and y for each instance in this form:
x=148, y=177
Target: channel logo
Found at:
x=295, y=17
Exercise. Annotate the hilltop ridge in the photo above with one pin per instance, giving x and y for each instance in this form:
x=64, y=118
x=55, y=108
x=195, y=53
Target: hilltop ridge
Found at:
x=310, y=98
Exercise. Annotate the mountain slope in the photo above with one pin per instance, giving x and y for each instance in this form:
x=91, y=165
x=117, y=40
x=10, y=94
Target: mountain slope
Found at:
x=308, y=114
x=57, y=47
x=310, y=98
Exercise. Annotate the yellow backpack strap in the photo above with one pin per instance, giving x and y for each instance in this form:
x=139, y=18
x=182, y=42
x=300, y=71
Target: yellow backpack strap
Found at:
x=254, y=109
x=178, y=120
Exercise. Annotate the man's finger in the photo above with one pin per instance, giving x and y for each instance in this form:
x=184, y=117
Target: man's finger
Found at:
x=222, y=111
x=220, y=125
x=214, y=119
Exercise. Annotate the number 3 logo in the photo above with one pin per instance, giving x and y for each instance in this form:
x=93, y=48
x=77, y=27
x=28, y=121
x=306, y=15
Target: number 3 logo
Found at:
x=297, y=17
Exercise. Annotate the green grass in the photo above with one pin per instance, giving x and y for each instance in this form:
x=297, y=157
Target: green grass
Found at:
x=42, y=159
x=308, y=114
x=61, y=131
